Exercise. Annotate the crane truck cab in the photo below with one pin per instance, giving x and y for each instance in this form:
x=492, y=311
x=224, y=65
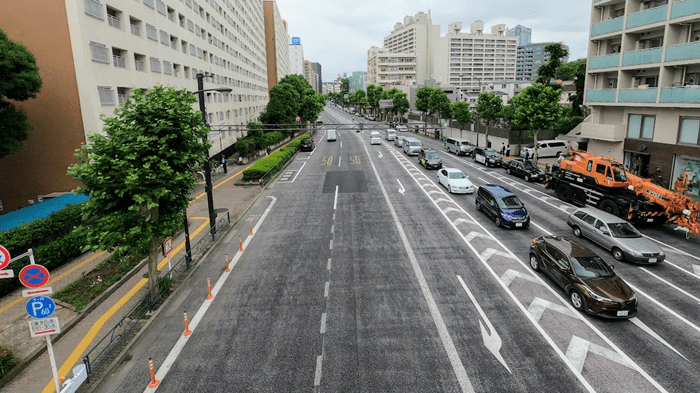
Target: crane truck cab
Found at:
x=605, y=171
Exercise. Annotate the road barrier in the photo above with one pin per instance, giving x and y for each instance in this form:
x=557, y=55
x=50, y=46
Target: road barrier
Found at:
x=187, y=326
x=250, y=221
x=240, y=244
x=154, y=382
x=209, y=296
x=228, y=269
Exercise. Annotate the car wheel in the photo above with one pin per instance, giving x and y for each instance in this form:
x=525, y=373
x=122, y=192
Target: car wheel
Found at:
x=618, y=254
x=577, y=300
x=449, y=189
x=508, y=171
x=527, y=178
x=497, y=220
x=534, y=262
x=478, y=206
x=577, y=232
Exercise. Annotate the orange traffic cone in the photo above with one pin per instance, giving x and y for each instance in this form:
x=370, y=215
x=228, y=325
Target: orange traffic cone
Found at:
x=210, y=296
x=251, y=227
x=187, y=326
x=228, y=269
x=240, y=244
x=154, y=381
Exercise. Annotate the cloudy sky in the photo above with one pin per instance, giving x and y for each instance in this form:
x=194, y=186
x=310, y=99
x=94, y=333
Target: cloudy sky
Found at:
x=337, y=34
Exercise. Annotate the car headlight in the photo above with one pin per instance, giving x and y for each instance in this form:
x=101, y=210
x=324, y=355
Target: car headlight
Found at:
x=634, y=252
x=596, y=296
x=634, y=296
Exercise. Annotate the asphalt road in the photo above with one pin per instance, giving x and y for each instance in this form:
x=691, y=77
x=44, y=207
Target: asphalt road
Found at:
x=364, y=274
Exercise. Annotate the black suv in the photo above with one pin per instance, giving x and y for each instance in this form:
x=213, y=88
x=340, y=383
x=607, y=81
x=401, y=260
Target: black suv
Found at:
x=429, y=158
x=525, y=169
x=306, y=144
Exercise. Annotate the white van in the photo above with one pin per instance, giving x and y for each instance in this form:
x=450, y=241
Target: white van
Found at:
x=330, y=135
x=411, y=146
x=550, y=148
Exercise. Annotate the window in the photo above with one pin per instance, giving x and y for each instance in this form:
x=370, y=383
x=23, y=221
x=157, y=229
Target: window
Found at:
x=641, y=126
x=94, y=8
x=167, y=68
x=99, y=52
x=690, y=131
x=135, y=26
x=151, y=32
x=600, y=168
x=190, y=25
x=590, y=220
x=161, y=7
x=155, y=65
x=149, y=3
x=193, y=50
x=580, y=214
x=106, y=95
x=164, y=38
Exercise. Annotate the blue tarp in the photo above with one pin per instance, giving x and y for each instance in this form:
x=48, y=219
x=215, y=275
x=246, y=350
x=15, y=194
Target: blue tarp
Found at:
x=40, y=210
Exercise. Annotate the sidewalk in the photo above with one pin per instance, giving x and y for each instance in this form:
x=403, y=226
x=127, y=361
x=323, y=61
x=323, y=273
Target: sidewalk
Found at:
x=91, y=325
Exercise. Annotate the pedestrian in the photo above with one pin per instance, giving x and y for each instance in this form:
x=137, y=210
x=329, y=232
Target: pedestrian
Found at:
x=503, y=148
x=508, y=150
x=223, y=162
x=269, y=150
x=526, y=155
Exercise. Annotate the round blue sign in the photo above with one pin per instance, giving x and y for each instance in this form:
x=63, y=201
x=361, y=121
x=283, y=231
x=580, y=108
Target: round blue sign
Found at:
x=41, y=307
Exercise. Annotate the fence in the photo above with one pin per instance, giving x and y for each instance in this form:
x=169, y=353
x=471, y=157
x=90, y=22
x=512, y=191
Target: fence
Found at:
x=108, y=347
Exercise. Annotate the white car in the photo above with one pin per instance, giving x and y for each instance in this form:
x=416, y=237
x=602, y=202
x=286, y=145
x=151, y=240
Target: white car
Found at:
x=402, y=127
x=455, y=181
x=374, y=138
x=390, y=135
x=398, y=141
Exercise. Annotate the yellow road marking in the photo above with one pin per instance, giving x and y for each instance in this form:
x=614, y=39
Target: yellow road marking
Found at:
x=55, y=279
x=97, y=326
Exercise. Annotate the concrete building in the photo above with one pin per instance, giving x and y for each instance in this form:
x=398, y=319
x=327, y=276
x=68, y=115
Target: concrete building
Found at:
x=318, y=75
x=309, y=73
x=328, y=87
x=416, y=35
x=391, y=69
x=92, y=55
x=276, y=44
x=522, y=33
x=530, y=58
x=642, y=86
x=357, y=81
x=469, y=61
x=296, y=56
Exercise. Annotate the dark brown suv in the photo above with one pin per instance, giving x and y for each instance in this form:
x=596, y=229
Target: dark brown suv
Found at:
x=590, y=283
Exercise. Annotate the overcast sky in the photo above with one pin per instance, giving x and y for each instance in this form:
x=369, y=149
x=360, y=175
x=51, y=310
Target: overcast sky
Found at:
x=337, y=34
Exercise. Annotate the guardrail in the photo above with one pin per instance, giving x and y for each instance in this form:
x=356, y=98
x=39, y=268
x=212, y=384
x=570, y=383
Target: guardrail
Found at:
x=119, y=335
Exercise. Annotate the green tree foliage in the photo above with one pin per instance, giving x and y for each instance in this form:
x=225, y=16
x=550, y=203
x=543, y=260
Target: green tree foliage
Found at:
x=440, y=103
x=548, y=70
x=401, y=103
x=360, y=99
x=140, y=174
x=537, y=108
x=423, y=99
x=345, y=86
x=568, y=71
x=462, y=113
x=293, y=96
x=508, y=114
x=579, y=83
x=568, y=121
x=374, y=94
x=19, y=81
x=488, y=107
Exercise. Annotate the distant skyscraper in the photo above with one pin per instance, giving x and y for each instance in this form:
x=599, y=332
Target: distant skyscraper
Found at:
x=296, y=56
x=318, y=76
x=522, y=33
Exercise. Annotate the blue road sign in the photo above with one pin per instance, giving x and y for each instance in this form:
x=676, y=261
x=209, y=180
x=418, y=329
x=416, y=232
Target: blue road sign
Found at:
x=41, y=307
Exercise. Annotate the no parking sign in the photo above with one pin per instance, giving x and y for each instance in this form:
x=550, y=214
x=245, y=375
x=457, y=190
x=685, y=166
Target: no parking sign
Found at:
x=4, y=257
x=34, y=276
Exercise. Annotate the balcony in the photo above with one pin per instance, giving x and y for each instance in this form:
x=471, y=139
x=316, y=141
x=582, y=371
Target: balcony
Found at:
x=605, y=61
x=644, y=56
x=640, y=96
x=603, y=132
x=139, y=65
x=647, y=17
x=689, y=51
x=606, y=95
x=681, y=95
x=119, y=61
x=685, y=8
x=113, y=21
x=608, y=26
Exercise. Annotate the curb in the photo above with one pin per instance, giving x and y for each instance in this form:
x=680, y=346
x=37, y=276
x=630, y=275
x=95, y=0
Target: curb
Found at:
x=120, y=358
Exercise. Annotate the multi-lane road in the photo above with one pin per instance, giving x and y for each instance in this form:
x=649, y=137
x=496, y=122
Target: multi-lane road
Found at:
x=364, y=274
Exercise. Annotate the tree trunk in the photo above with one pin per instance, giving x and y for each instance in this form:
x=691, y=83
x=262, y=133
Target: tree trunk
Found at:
x=536, y=131
x=476, y=128
x=487, y=134
x=153, y=259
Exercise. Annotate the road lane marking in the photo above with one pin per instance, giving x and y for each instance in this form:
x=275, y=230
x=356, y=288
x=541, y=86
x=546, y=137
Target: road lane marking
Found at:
x=323, y=323
x=675, y=314
x=325, y=291
x=669, y=284
x=339, y=160
x=335, y=202
x=319, y=365
x=652, y=333
x=330, y=246
x=328, y=267
x=401, y=189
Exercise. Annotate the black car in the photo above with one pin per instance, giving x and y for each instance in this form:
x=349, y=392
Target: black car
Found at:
x=488, y=157
x=525, y=169
x=306, y=144
x=429, y=158
x=589, y=282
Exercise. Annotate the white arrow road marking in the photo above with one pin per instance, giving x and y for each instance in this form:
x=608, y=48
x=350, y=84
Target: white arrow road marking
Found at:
x=696, y=269
x=579, y=349
x=451, y=209
x=473, y=235
x=435, y=191
x=444, y=200
x=652, y=333
x=511, y=275
x=401, y=189
x=462, y=220
x=539, y=306
x=489, y=252
x=492, y=341
x=380, y=155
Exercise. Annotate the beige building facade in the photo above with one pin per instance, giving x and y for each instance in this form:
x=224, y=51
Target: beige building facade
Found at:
x=417, y=35
x=276, y=44
x=391, y=69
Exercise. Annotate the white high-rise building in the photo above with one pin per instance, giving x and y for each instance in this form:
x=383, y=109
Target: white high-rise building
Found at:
x=416, y=35
x=469, y=61
x=296, y=56
x=391, y=69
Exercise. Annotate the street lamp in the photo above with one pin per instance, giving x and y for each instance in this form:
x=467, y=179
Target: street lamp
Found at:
x=207, y=167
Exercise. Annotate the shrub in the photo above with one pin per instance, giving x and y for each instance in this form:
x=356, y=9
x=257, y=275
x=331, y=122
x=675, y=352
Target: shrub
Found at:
x=267, y=164
x=33, y=234
x=8, y=361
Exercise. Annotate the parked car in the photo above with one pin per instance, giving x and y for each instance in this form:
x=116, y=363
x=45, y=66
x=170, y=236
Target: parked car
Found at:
x=398, y=141
x=370, y=117
x=615, y=234
x=330, y=135
x=455, y=181
x=390, y=135
x=319, y=122
x=375, y=138
x=502, y=206
x=488, y=157
x=306, y=144
x=589, y=282
x=411, y=146
x=525, y=169
x=401, y=127
x=550, y=148
x=458, y=146
x=360, y=114
x=429, y=158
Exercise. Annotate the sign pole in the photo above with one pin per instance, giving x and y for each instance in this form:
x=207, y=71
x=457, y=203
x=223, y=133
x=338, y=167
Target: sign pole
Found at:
x=54, y=370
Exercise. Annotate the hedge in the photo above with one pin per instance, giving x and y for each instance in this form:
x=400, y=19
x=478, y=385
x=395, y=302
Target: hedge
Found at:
x=33, y=234
x=265, y=165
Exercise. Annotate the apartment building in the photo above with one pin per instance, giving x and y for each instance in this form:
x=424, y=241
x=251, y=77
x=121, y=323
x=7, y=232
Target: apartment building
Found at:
x=309, y=73
x=276, y=44
x=522, y=33
x=416, y=35
x=470, y=61
x=642, y=86
x=529, y=59
x=391, y=69
x=93, y=54
x=296, y=56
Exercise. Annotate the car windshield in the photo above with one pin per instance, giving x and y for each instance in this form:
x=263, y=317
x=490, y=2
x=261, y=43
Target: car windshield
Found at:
x=490, y=153
x=456, y=175
x=375, y=135
x=591, y=267
x=510, y=202
x=415, y=143
x=431, y=155
x=624, y=230
x=529, y=165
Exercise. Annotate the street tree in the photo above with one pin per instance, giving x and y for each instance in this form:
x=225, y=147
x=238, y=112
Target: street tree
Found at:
x=361, y=99
x=19, y=81
x=344, y=86
x=401, y=103
x=374, y=94
x=389, y=95
x=488, y=107
x=423, y=100
x=284, y=104
x=462, y=113
x=567, y=71
x=140, y=175
x=548, y=71
x=440, y=104
x=537, y=108
x=579, y=72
